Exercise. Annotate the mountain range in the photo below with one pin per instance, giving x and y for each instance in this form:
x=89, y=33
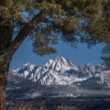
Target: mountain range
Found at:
x=61, y=71
x=58, y=77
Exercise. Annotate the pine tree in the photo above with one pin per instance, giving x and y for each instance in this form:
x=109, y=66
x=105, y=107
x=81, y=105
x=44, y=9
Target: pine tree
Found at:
x=106, y=55
x=47, y=22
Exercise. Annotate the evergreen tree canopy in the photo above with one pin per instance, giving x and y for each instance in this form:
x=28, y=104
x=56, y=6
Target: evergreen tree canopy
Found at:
x=48, y=21
x=106, y=55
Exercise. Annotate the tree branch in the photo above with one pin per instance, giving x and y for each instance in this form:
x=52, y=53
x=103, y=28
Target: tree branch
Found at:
x=24, y=32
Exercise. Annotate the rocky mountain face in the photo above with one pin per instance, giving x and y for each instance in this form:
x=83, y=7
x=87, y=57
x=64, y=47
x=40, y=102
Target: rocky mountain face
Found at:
x=61, y=71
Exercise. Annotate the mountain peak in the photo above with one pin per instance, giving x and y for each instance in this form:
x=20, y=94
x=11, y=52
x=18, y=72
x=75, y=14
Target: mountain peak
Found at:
x=28, y=65
x=60, y=64
x=61, y=58
x=88, y=66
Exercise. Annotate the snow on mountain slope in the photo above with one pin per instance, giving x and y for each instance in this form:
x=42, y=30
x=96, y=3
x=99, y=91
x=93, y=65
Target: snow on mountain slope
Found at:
x=61, y=71
x=105, y=77
x=60, y=64
x=26, y=71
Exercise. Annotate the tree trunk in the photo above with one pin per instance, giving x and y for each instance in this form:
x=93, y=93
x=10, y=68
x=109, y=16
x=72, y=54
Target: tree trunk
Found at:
x=4, y=66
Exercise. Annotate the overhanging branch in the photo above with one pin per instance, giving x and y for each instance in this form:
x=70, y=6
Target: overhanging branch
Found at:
x=24, y=32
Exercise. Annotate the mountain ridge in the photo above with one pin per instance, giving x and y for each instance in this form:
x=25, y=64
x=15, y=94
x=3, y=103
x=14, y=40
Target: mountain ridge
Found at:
x=61, y=71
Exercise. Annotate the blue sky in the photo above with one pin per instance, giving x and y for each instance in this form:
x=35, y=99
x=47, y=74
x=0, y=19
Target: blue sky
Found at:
x=79, y=56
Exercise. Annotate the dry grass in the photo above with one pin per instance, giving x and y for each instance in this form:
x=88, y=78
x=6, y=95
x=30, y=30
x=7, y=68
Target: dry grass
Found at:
x=27, y=106
x=23, y=106
x=41, y=106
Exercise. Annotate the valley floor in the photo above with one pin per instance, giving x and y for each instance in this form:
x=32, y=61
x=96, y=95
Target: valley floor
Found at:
x=67, y=103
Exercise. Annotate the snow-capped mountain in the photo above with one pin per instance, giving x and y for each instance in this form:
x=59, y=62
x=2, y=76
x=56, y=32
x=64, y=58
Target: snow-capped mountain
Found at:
x=61, y=71
x=58, y=78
